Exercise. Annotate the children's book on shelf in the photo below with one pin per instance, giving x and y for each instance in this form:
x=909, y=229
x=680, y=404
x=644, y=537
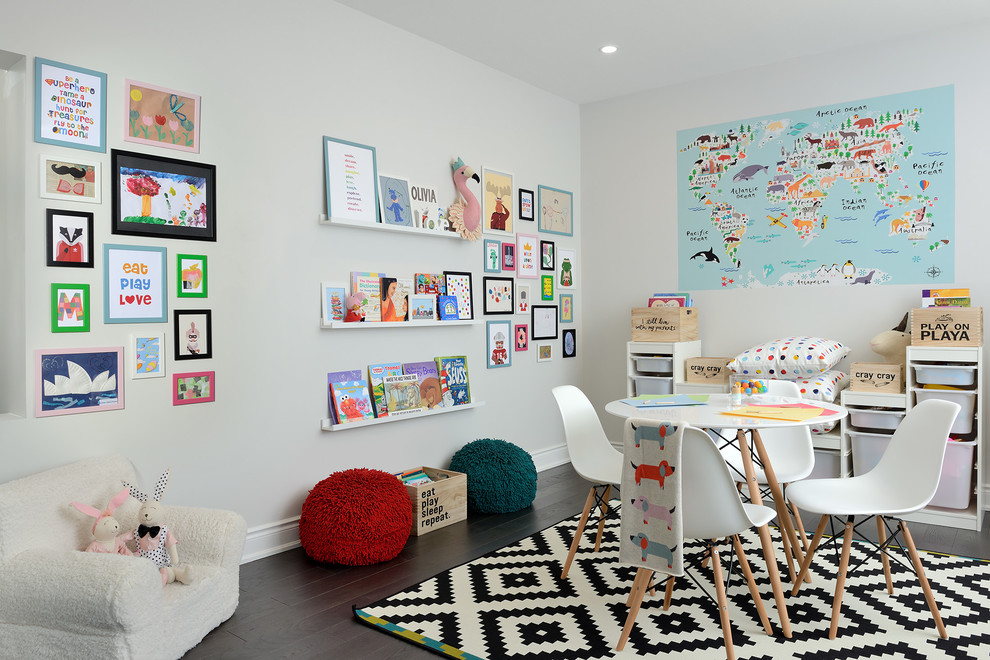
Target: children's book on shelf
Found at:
x=352, y=401
x=453, y=370
x=431, y=283
x=339, y=377
x=423, y=307
x=395, y=298
x=376, y=378
x=945, y=298
x=430, y=395
x=368, y=285
x=333, y=303
x=402, y=395
x=447, y=308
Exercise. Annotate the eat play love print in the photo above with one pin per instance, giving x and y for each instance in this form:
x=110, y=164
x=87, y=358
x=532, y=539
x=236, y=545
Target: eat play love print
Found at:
x=134, y=284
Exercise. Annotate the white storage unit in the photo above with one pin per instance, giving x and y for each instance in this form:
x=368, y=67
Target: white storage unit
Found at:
x=871, y=414
x=657, y=367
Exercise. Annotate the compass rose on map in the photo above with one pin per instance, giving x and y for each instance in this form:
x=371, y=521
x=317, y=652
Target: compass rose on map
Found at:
x=933, y=272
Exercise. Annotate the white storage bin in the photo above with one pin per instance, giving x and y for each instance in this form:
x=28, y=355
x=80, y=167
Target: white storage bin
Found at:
x=867, y=448
x=876, y=419
x=654, y=385
x=944, y=374
x=967, y=400
x=655, y=365
x=827, y=464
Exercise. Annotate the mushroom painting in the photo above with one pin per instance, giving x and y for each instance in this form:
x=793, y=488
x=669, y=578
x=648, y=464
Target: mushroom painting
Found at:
x=144, y=187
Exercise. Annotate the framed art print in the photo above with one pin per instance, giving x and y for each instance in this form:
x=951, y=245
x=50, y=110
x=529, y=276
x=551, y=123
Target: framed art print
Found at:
x=508, y=256
x=499, y=354
x=493, y=256
x=522, y=298
x=70, y=106
x=522, y=337
x=498, y=295
x=546, y=255
x=396, y=204
x=190, y=276
x=134, y=288
x=162, y=197
x=147, y=356
x=193, y=333
x=566, y=308
x=332, y=299
x=459, y=286
x=194, y=387
x=352, y=180
x=69, y=238
x=570, y=343
x=566, y=269
x=543, y=324
x=527, y=260
x=546, y=288
x=556, y=211
x=71, y=179
x=422, y=307
x=525, y=204
x=78, y=380
x=496, y=208
x=161, y=117
x=70, y=307
x=544, y=352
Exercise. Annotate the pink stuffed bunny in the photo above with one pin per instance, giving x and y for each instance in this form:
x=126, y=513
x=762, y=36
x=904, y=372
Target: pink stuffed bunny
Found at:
x=106, y=527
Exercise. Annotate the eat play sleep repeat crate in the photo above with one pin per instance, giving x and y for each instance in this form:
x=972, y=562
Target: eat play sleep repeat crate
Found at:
x=439, y=503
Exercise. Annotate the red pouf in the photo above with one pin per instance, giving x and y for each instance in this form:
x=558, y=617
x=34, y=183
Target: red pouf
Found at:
x=356, y=517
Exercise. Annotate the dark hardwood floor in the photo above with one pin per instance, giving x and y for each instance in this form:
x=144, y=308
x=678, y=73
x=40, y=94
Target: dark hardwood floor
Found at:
x=294, y=607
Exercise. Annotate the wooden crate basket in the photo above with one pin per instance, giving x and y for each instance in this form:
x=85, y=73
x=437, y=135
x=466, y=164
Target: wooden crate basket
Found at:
x=947, y=326
x=706, y=370
x=876, y=377
x=664, y=323
x=439, y=503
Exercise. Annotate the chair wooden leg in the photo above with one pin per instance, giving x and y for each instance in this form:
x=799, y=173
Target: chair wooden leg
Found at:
x=840, y=582
x=723, y=605
x=668, y=592
x=920, y=570
x=805, y=566
x=578, y=532
x=799, y=525
x=882, y=536
x=753, y=590
x=643, y=576
x=601, y=519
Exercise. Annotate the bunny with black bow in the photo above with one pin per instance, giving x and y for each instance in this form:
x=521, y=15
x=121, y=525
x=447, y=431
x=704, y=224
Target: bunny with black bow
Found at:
x=153, y=538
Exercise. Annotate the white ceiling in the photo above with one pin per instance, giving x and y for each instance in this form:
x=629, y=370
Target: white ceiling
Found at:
x=553, y=44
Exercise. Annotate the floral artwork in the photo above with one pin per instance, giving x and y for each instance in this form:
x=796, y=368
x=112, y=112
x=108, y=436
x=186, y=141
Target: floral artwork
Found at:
x=162, y=117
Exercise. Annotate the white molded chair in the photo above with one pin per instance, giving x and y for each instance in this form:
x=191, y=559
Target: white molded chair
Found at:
x=593, y=457
x=904, y=481
x=711, y=510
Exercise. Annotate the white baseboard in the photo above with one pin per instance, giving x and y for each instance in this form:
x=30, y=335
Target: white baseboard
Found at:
x=551, y=457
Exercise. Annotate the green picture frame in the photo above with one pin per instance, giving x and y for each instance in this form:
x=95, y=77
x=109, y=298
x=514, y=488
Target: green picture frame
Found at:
x=70, y=307
x=191, y=276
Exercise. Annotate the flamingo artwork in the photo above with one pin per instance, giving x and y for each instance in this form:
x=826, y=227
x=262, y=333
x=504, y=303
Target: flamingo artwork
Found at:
x=465, y=213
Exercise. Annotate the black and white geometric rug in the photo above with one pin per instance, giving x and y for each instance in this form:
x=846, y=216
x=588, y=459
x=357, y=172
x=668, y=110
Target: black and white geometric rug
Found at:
x=512, y=604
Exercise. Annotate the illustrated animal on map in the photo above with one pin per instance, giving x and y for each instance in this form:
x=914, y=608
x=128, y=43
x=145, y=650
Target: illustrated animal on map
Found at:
x=849, y=135
x=657, y=473
x=748, y=172
x=827, y=165
x=787, y=177
x=775, y=126
x=656, y=511
x=776, y=188
x=864, y=279
x=654, y=548
x=803, y=225
x=465, y=213
x=812, y=141
x=897, y=224
x=848, y=270
x=864, y=153
x=886, y=148
x=827, y=271
x=827, y=181
x=865, y=122
x=658, y=438
x=891, y=127
x=703, y=138
x=777, y=220
x=904, y=199
x=708, y=254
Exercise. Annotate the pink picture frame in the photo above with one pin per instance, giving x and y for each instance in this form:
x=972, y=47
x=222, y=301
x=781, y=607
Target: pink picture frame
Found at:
x=161, y=117
x=78, y=380
x=194, y=387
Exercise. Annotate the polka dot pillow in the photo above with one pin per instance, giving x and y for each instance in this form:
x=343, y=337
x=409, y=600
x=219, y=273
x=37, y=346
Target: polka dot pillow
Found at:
x=824, y=387
x=790, y=358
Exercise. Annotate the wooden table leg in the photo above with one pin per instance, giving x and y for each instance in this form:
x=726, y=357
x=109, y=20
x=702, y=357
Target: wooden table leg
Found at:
x=765, y=540
x=783, y=515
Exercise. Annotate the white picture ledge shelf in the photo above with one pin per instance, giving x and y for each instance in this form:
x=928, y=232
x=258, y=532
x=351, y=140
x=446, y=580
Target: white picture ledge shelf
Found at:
x=381, y=226
x=328, y=424
x=357, y=325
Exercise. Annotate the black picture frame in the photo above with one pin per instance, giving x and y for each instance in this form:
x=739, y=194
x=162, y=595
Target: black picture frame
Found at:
x=569, y=343
x=141, y=179
x=545, y=248
x=470, y=293
x=487, y=308
x=544, y=322
x=527, y=204
x=65, y=242
x=181, y=322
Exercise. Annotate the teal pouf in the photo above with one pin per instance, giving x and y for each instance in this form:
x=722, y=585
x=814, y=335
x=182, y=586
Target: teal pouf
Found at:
x=501, y=477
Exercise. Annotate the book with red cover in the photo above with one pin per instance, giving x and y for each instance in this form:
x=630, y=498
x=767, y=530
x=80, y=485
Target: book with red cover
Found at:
x=339, y=377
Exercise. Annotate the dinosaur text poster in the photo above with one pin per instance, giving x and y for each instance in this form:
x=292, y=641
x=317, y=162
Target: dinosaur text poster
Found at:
x=848, y=194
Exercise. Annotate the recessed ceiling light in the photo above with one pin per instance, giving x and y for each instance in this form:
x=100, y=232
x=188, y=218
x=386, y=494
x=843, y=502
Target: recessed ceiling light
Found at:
x=608, y=50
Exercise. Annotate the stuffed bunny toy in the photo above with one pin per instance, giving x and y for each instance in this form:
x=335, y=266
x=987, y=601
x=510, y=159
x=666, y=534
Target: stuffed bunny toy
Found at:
x=106, y=527
x=891, y=345
x=153, y=538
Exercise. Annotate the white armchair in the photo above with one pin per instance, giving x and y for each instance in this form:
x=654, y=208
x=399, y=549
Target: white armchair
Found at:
x=58, y=602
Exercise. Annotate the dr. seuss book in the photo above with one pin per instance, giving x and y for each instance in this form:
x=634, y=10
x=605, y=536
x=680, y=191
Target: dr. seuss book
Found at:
x=429, y=382
x=447, y=308
x=454, y=370
x=395, y=298
x=339, y=377
x=352, y=401
x=368, y=285
x=376, y=377
x=431, y=283
x=402, y=395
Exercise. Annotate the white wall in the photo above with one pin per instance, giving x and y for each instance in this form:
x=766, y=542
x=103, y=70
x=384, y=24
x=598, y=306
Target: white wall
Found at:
x=272, y=84
x=629, y=177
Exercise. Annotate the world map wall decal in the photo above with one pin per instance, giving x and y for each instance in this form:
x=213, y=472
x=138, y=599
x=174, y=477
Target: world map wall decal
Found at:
x=858, y=193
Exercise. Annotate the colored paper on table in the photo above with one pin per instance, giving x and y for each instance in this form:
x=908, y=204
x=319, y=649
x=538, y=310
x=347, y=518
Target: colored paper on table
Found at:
x=666, y=400
x=785, y=413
